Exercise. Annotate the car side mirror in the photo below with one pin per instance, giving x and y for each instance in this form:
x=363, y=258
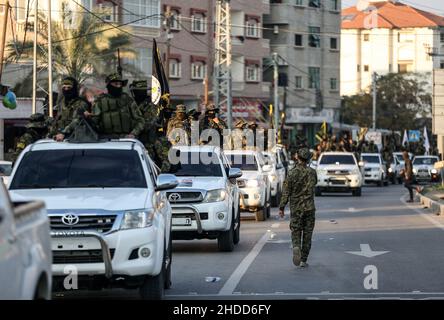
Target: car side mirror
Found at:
x=267, y=168
x=234, y=173
x=361, y=163
x=279, y=166
x=314, y=163
x=166, y=182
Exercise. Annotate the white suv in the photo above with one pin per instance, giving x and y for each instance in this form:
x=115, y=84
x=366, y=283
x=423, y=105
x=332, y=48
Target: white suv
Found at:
x=109, y=221
x=254, y=186
x=276, y=177
x=338, y=172
x=374, y=169
x=206, y=202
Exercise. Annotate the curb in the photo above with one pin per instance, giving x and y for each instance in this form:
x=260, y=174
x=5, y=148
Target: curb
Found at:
x=433, y=205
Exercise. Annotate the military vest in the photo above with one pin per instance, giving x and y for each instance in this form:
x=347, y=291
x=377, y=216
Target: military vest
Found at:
x=115, y=114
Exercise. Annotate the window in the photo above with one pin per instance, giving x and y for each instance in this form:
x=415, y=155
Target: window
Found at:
x=142, y=8
x=298, y=40
x=143, y=61
x=252, y=28
x=335, y=5
x=198, y=70
x=194, y=165
x=175, y=68
x=366, y=37
x=366, y=68
x=108, y=11
x=334, y=43
x=299, y=2
x=441, y=65
x=359, y=68
x=314, y=37
x=405, y=67
x=298, y=82
x=314, y=3
x=314, y=77
x=333, y=84
x=406, y=37
x=335, y=159
x=252, y=71
x=198, y=23
x=442, y=37
x=175, y=20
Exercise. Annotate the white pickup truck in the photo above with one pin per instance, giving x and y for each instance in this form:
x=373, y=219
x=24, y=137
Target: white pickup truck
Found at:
x=206, y=202
x=109, y=220
x=25, y=250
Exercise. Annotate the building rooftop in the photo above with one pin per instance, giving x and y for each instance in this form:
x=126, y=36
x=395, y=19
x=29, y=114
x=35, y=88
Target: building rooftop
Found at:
x=390, y=15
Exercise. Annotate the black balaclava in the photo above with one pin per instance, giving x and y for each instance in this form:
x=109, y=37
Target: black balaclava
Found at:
x=114, y=91
x=72, y=93
x=140, y=95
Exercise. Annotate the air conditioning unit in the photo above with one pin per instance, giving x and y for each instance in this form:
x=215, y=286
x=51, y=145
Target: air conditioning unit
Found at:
x=276, y=29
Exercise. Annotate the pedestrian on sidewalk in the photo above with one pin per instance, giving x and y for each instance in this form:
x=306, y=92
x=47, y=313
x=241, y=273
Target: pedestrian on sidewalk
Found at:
x=299, y=190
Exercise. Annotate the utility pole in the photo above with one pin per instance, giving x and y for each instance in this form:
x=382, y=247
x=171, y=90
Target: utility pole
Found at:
x=276, y=90
x=374, y=77
x=222, y=62
x=206, y=90
x=168, y=17
x=51, y=103
x=3, y=40
x=34, y=58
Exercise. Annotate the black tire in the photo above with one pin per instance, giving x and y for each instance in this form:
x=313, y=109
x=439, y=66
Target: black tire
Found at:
x=386, y=183
x=225, y=241
x=380, y=183
x=169, y=254
x=236, y=237
x=275, y=200
x=153, y=287
x=318, y=192
x=393, y=179
x=260, y=214
x=357, y=192
x=268, y=210
x=399, y=180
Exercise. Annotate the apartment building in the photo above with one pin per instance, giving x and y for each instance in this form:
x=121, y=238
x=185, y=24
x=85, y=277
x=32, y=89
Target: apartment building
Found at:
x=306, y=36
x=385, y=37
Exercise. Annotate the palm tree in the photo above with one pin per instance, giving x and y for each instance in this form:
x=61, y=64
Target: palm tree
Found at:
x=87, y=51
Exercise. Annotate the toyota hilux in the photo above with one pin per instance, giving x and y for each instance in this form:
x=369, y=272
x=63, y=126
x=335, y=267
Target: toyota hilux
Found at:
x=110, y=222
x=206, y=202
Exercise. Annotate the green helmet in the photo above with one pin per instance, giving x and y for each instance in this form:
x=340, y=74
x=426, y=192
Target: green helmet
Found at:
x=140, y=85
x=37, y=120
x=116, y=77
x=304, y=154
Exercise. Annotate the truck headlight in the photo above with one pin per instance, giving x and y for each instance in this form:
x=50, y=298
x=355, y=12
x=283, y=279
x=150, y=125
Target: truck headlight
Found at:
x=215, y=195
x=273, y=178
x=434, y=171
x=390, y=170
x=137, y=219
x=415, y=171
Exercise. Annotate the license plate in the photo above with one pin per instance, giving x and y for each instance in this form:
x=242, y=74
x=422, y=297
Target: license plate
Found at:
x=75, y=244
x=181, y=221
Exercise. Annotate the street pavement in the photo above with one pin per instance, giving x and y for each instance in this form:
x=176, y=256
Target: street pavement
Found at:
x=375, y=246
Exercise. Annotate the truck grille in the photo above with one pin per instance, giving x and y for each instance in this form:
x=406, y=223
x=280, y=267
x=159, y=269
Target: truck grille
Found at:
x=184, y=197
x=338, y=172
x=86, y=222
x=203, y=215
x=78, y=256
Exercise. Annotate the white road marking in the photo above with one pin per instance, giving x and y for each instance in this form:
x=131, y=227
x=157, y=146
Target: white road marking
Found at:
x=367, y=252
x=237, y=275
x=422, y=214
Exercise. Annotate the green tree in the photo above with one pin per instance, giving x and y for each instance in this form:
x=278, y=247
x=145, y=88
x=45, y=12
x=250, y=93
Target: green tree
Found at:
x=402, y=99
x=86, y=50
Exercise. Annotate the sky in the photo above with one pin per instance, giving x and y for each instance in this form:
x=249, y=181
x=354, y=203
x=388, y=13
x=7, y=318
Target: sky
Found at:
x=435, y=6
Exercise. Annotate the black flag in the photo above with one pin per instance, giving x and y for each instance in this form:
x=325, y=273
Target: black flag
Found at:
x=159, y=81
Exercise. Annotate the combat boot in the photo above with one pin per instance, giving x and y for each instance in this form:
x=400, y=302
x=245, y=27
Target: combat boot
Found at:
x=296, y=256
x=303, y=264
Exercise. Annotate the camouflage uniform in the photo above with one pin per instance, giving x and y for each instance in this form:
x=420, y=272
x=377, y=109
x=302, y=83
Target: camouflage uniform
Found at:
x=208, y=122
x=152, y=136
x=68, y=109
x=177, y=123
x=116, y=115
x=36, y=129
x=238, y=139
x=299, y=190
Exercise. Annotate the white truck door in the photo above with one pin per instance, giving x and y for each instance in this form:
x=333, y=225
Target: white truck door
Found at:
x=10, y=259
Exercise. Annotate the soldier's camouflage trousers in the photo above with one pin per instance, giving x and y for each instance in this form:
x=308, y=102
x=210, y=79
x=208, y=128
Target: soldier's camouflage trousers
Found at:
x=302, y=226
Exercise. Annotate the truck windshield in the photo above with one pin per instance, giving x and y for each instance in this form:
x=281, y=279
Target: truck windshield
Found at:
x=371, y=159
x=246, y=162
x=197, y=164
x=425, y=161
x=337, y=159
x=89, y=168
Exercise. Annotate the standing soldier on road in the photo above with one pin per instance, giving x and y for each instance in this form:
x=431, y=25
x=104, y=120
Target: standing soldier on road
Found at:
x=299, y=189
x=408, y=175
x=115, y=113
x=211, y=121
x=36, y=129
x=69, y=106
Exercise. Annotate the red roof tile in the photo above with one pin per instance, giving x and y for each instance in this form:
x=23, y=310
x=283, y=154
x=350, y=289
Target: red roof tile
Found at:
x=390, y=15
